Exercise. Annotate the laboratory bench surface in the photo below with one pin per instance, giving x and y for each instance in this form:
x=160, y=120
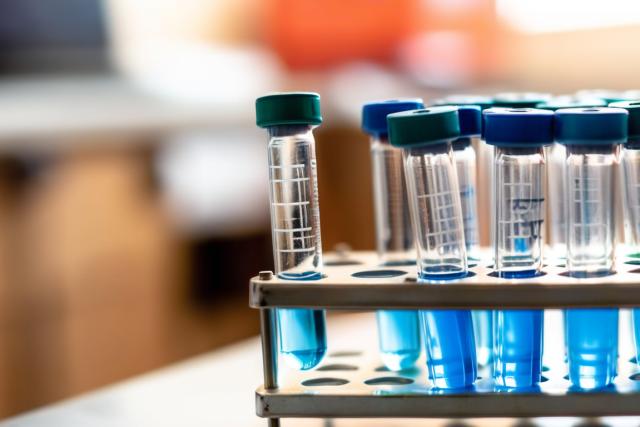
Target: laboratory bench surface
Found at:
x=217, y=389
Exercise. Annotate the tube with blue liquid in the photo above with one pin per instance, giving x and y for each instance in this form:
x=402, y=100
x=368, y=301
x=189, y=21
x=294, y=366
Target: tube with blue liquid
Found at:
x=631, y=200
x=295, y=216
x=434, y=199
x=592, y=137
x=519, y=135
x=398, y=330
x=464, y=155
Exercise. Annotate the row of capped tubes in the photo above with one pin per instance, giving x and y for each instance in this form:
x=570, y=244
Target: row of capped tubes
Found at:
x=297, y=223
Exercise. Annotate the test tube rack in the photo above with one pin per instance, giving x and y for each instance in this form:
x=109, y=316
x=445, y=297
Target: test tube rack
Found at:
x=355, y=385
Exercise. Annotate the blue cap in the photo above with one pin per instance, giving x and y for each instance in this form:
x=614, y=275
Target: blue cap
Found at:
x=518, y=127
x=591, y=126
x=374, y=114
x=470, y=117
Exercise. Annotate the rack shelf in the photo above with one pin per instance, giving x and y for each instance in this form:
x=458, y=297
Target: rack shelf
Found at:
x=355, y=385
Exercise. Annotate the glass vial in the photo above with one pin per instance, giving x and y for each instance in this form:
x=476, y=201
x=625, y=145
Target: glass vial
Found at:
x=464, y=155
x=398, y=330
x=592, y=137
x=295, y=216
x=434, y=199
x=519, y=135
x=631, y=200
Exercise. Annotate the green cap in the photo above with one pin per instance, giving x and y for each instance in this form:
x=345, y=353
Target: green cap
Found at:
x=288, y=108
x=556, y=104
x=520, y=99
x=633, y=107
x=423, y=127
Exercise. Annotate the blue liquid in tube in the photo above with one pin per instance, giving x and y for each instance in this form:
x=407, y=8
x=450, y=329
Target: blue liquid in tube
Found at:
x=450, y=345
x=399, y=338
x=304, y=344
x=518, y=347
x=483, y=332
x=592, y=346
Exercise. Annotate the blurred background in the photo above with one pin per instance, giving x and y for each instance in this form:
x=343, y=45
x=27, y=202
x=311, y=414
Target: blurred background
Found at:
x=133, y=191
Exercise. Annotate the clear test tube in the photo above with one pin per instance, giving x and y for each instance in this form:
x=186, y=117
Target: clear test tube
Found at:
x=630, y=160
x=592, y=137
x=295, y=216
x=557, y=208
x=398, y=330
x=434, y=199
x=556, y=155
x=464, y=155
x=519, y=135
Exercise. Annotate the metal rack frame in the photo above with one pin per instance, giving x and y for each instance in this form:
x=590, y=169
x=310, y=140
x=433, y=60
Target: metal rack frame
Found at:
x=397, y=288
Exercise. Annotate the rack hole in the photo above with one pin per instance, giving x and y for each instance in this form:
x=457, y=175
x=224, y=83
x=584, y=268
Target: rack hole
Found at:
x=633, y=262
x=515, y=275
x=338, y=367
x=316, y=382
x=545, y=368
x=345, y=353
x=585, y=275
x=406, y=263
x=389, y=381
x=566, y=377
x=543, y=379
x=635, y=377
x=382, y=369
x=378, y=274
x=339, y=263
x=633, y=360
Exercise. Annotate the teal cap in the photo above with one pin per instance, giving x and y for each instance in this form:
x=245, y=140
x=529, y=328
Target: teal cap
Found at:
x=633, y=107
x=427, y=126
x=556, y=104
x=482, y=101
x=288, y=108
x=591, y=126
x=607, y=95
x=520, y=99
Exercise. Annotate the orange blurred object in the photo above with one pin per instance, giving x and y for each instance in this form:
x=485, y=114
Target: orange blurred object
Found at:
x=440, y=37
x=313, y=34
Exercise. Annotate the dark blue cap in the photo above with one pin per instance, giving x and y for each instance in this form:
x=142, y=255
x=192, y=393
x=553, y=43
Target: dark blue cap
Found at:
x=470, y=117
x=374, y=114
x=518, y=127
x=591, y=126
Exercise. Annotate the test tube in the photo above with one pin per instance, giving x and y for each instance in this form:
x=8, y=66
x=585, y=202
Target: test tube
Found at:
x=398, y=330
x=631, y=200
x=592, y=137
x=295, y=216
x=556, y=155
x=557, y=207
x=425, y=137
x=519, y=135
x=464, y=155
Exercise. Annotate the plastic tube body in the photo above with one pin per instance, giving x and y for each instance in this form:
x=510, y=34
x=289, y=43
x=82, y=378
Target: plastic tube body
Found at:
x=398, y=330
x=631, y=202
x=436, y=214
x=519, y=213
x=557, y=200
x=295, y=222
x=592, y=334
x=465, y=159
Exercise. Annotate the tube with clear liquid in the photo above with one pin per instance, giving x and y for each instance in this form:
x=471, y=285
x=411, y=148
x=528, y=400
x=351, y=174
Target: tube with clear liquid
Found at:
x=436, y=213
x=398, y=330
x=591, y=137
x=630, y=162
x=519, y=136
x=464, y=155
x=519, y=218
x=296, y=238
x=295, y=216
